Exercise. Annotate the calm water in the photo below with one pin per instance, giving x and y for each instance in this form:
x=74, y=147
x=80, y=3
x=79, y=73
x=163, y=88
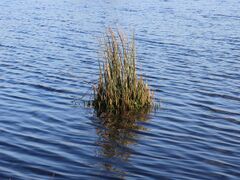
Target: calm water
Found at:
x=189, y=52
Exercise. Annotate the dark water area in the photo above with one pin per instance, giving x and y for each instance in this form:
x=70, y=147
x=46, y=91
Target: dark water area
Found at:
x=188, y=51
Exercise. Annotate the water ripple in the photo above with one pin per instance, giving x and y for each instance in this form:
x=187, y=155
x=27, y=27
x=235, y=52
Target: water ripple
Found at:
x=188, y=52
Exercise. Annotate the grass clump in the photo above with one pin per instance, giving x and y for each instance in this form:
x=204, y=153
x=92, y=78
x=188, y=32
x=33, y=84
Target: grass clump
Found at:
x=119, y=89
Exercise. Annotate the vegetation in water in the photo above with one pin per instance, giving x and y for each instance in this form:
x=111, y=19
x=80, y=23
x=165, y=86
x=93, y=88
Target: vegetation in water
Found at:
x=119, y=89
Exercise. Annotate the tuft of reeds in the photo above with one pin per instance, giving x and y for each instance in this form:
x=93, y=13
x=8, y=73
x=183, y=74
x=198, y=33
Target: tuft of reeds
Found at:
x=119, y=89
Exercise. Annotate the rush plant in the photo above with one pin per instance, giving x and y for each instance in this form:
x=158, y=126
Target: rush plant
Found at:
x=120, y=90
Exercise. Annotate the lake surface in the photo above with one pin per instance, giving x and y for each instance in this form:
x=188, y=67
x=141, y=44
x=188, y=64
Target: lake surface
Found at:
x=188, y=51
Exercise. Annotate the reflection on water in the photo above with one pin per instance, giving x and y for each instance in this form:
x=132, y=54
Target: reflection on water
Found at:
x=116, y=136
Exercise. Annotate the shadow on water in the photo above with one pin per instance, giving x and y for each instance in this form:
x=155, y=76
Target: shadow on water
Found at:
x=116, y=137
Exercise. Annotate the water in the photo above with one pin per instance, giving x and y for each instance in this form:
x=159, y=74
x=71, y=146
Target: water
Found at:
x=188, y=51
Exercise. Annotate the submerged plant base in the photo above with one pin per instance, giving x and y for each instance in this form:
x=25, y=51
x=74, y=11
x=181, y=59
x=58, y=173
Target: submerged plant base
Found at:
x=119, y=90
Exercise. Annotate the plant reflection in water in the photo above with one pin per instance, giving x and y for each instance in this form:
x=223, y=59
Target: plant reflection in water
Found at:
x=116, y=137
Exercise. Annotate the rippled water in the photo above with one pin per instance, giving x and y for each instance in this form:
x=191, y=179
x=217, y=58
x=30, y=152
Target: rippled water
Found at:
x=189, y=52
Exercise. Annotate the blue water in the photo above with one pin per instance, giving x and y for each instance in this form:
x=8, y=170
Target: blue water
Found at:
x=188, y=51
